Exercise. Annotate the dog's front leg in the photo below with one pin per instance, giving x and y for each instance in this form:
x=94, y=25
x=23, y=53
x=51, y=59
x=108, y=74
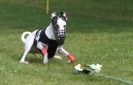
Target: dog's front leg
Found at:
x=62, y=51
x=43, y=48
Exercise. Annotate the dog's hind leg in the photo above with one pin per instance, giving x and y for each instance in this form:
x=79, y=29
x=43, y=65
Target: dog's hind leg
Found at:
x=28, y=44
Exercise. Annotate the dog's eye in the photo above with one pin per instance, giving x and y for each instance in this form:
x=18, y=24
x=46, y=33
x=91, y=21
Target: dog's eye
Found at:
x=56, y=26
x=64, y=25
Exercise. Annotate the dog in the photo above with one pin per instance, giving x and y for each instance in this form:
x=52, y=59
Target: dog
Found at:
x=47, y=41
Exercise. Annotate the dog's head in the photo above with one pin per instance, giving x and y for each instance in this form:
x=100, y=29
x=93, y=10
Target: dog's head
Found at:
x=59, y=26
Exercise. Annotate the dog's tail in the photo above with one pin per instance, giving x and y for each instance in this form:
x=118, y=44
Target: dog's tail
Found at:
x=23, y=36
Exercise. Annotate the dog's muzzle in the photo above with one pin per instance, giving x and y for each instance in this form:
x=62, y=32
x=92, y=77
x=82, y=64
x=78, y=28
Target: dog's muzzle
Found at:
x=60, y=36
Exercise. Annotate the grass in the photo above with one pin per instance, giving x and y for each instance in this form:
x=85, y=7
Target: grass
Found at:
x=97, y=31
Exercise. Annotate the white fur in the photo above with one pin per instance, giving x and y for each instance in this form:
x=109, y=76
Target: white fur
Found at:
x=61, y=23
x=23, y=36
x=49, y=32
x=62, y=51
x=64, y=14
x=53, y=14
x=29, y=40
x=57, y=57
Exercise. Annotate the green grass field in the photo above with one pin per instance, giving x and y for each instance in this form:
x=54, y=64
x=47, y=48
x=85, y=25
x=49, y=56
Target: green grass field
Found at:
x=98, y=30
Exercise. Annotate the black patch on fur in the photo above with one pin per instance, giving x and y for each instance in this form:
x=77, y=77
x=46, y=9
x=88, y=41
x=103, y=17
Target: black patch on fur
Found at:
x=52, y=49
x=52, y=44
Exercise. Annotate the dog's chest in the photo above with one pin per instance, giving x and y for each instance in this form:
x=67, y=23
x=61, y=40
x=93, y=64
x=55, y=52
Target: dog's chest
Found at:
x=41, y=37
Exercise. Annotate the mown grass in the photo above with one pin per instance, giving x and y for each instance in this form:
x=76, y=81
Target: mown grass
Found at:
x=98, y=31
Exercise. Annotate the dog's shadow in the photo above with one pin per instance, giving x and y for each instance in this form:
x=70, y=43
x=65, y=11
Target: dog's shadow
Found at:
x=32, y=58
x=38, y=59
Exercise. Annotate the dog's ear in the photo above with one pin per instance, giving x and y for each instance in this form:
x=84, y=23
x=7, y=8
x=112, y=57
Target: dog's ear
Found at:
x=64, y=15
x=53, y=15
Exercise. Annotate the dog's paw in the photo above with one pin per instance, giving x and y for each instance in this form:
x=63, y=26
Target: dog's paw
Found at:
x=45, y=60
x=57, y=57
x=24, y=62
x=69, y=62
x=45, y=63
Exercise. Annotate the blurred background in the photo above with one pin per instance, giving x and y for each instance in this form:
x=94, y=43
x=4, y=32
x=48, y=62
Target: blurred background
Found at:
x=85, y=16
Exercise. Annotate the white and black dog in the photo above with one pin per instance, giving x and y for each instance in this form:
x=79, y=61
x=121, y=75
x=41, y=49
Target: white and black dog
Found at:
x=47, y=41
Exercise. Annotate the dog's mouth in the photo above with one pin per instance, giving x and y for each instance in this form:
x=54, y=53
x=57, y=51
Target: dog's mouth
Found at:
x=60, y=36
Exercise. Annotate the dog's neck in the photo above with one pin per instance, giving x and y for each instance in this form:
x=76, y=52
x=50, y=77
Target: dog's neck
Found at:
x=49, y=32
